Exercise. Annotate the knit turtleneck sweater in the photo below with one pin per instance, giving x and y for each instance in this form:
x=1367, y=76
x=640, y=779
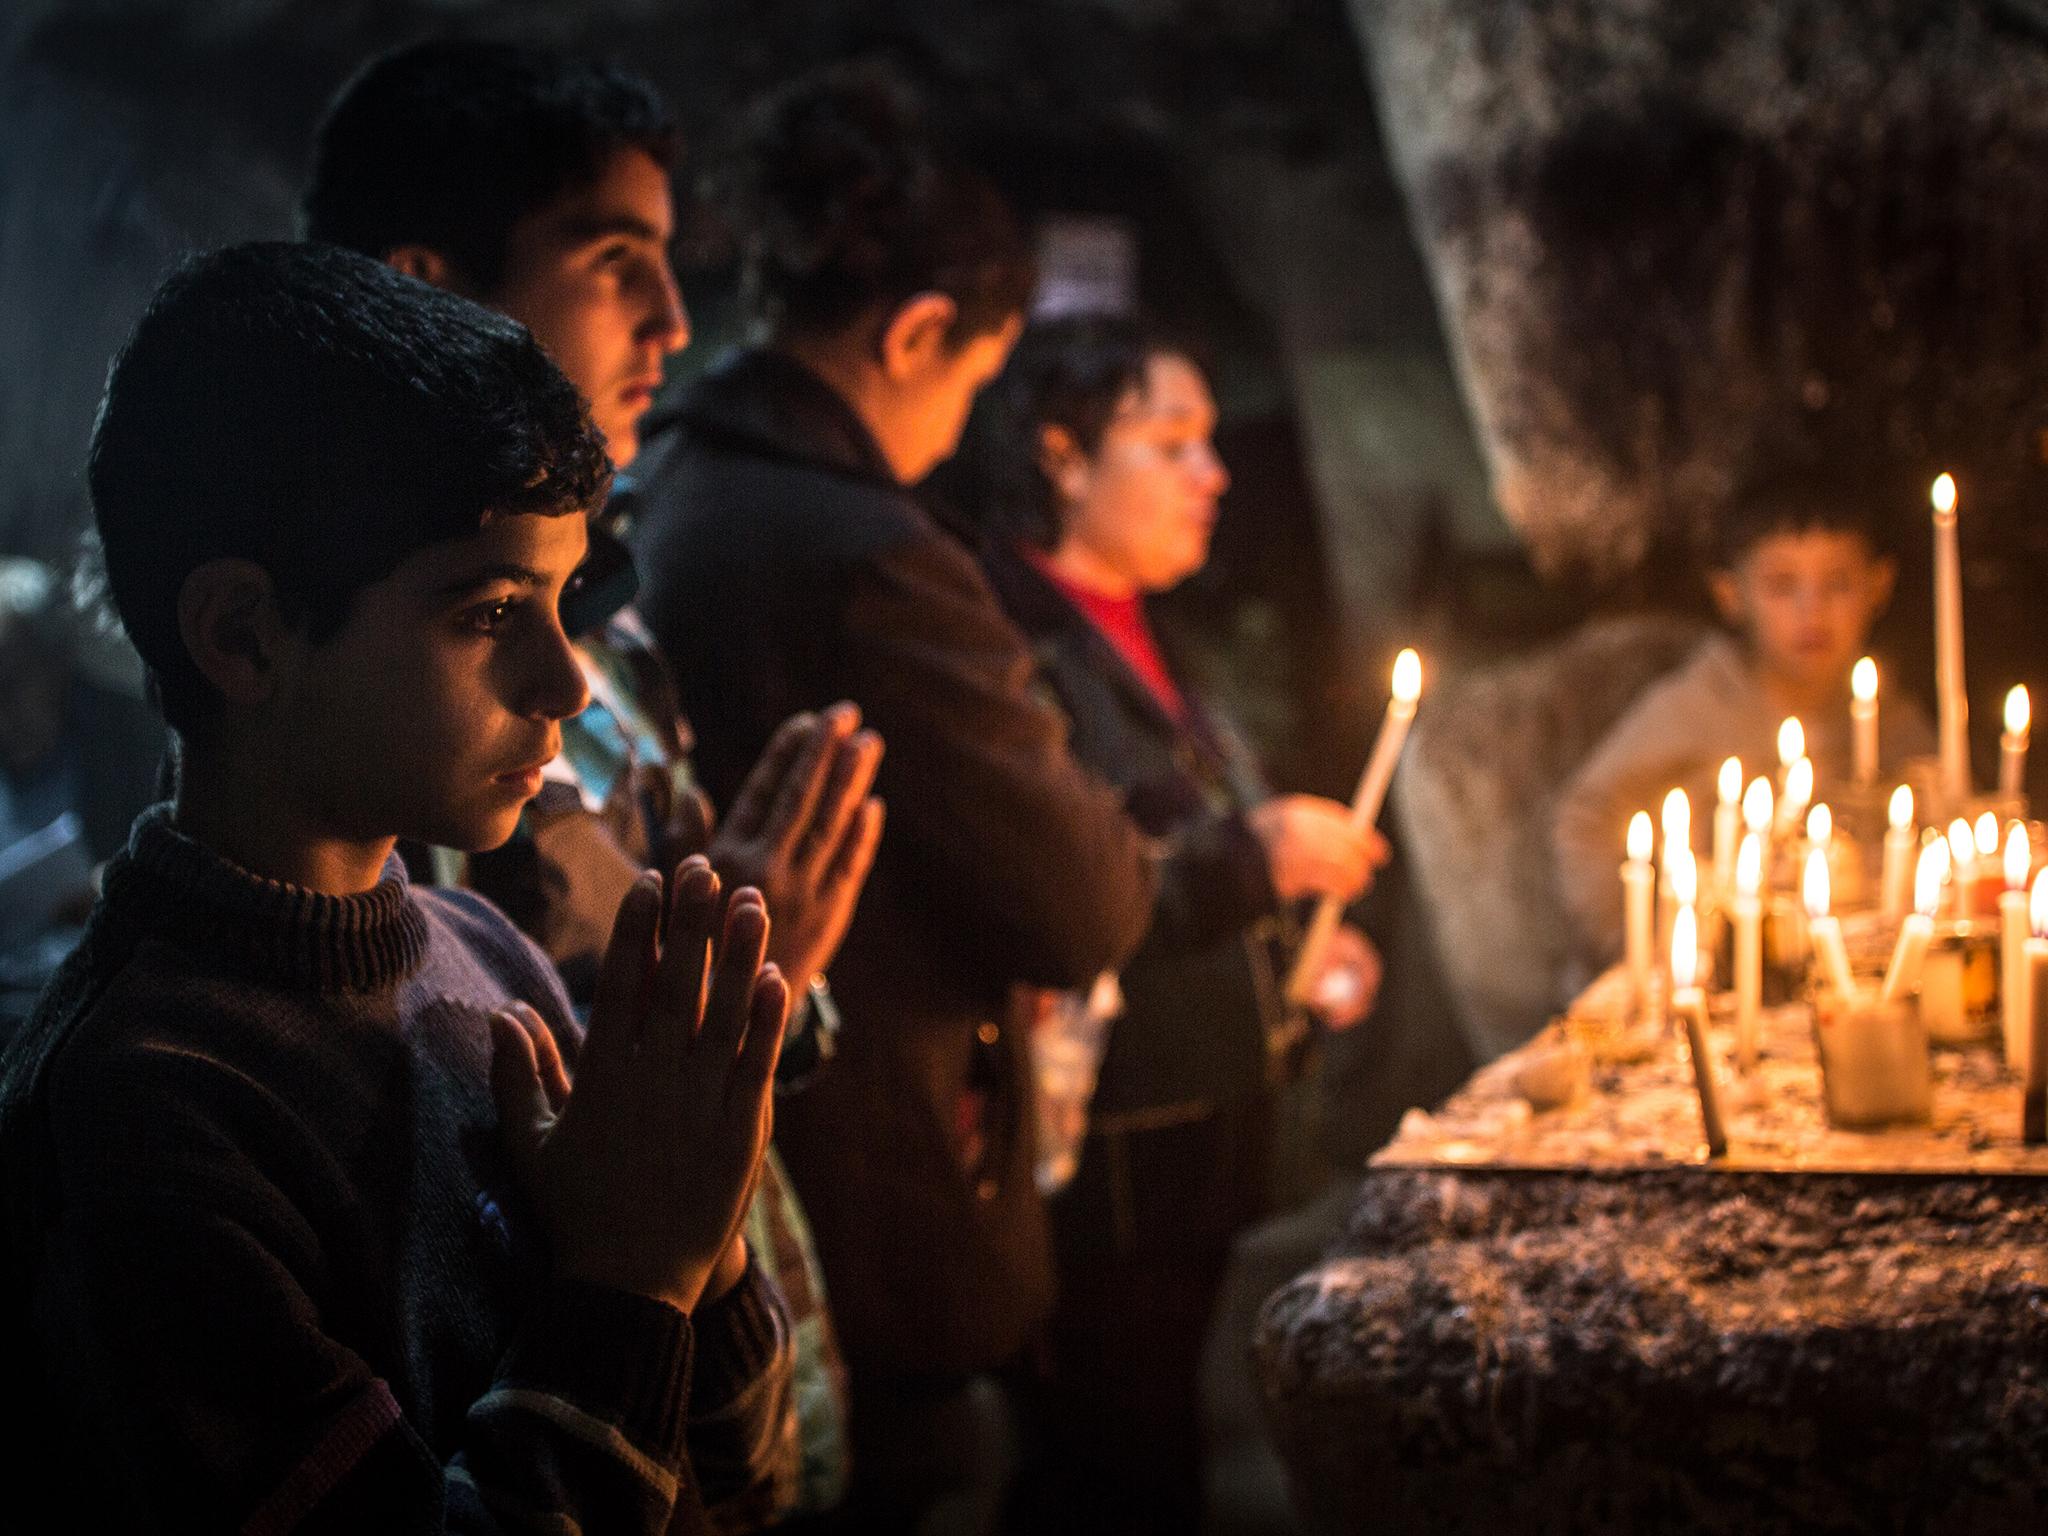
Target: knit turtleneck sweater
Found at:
x=263, y=1257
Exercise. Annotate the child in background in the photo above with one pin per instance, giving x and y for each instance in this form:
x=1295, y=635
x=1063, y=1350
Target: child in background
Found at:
x=1800, y=570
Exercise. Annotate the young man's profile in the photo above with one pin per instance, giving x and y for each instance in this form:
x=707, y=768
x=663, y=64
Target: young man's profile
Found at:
x=306, y=1227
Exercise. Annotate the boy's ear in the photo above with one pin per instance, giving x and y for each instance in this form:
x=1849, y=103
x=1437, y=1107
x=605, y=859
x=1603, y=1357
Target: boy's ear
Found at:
x=233, y=628
x=916, y=335
x=1725, y=587
x=424, y=263
x=1062, y=462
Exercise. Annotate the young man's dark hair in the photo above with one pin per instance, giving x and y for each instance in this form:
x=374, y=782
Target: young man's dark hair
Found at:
x=397, y=417
x=844, y=206
x=449, y=143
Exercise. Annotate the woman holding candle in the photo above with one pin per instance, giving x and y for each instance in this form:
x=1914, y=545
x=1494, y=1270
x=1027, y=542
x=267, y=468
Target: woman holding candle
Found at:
x=1090, y=475
x=1799, y=571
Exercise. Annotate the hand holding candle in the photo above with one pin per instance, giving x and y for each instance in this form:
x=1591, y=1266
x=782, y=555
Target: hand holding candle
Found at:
x=1896, y=890
x=1917, y=931
x=1373, y=784
x=2012, y=746
x=1690, y=1005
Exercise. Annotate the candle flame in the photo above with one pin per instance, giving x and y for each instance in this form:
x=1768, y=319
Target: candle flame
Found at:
x=2019, y=711
x=1820, y=825
x=1639, y=836
x=1730, y=783
x=1791, y=742
x=1798, y=785
x=2037, y=906
x=1677, y=820
x=2019, y=856
x=1684, y=872
x=1944, y=493
x=1756, y=804
x=1902, y=807
x=1813, y=888
x=1749, y=866
x=1985, y=836
x=1928, y=877
x=1685, y=949
x=1863, y=680
x=1407, y=677
x=1962, y=842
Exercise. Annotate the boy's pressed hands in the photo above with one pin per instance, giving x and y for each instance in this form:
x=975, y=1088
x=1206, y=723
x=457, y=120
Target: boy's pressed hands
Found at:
x=642, y=1170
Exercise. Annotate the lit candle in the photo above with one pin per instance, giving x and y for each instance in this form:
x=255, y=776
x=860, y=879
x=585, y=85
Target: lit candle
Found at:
x=1690, y=1004
x=1681, y=889
x=1791, y=744
x=1948, y=647
x=2012, y=746
x=1798, y=792
x=1749, y=949
x=1863, y=720
x=1727, y=824
x=1365, y=810
x=1962, y=867
x=1820, y=827
x=1757, y=808
x=2014, y=929
x=1896, y=890
x=1677, y=822
x=1917, y=931
x=1639, y=908
x=1824, y=929
x=2034, y=1107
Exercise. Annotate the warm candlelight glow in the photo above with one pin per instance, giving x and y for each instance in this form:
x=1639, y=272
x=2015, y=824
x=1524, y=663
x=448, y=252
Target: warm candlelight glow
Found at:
x=1407, y=677
x=1820, y=825
x=1791, y=742
x=2037, y=905
x=1685, y=949
x=1944, y=494
x=2019, y=856
x=1639, y=836
x=2019, y=711
x=1985, y=834
x=1730, y=784
x=1902, y=807
x=1813, y=888
x=1863, y=680
x=1677, y=821
x=1756, y=805
x=1684, y=872
x=1962, y=842
x=1798, y=785
x=1749, y=866
x=1928, y=876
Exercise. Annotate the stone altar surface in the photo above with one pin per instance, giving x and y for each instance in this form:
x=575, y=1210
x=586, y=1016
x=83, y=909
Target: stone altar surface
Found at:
x=1568, y=1321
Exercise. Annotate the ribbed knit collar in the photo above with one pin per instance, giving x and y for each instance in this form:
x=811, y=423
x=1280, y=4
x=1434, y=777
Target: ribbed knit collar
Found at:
x=168, y=884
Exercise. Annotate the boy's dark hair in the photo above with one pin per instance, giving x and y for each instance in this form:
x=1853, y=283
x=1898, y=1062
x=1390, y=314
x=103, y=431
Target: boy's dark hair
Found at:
x=314, y=411
x=1799, y=497
x=843, y=203
x=449, y=143
x=1068, y=372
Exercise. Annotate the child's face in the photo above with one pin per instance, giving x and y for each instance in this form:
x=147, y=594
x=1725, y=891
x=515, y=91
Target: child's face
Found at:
x=429, y=713
x=1806, y=601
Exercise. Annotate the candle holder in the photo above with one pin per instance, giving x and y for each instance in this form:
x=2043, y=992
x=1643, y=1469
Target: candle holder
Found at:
x=1959, y=983
x=1874, y=1069
x=1787, y=950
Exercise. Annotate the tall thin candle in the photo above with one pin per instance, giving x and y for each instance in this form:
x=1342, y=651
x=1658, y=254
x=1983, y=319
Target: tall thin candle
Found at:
x=1896, y=887
x=1690, y=1005
x=1727, y=824
x=1863, y=721
x=1825, y=929
x=1639, y=909
x=2012, y=746
x=1749, y=949
x=2013, y=932
x=1917, y=931
x=1948, y=648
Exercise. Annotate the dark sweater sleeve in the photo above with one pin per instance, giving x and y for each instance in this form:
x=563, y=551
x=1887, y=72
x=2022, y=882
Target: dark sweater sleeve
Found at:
x=1011, y=838
x=1213, y=883
x=742, y=1421
x=176, y=1301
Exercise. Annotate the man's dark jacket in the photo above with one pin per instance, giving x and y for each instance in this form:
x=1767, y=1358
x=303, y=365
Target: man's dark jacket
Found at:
x=784, y=567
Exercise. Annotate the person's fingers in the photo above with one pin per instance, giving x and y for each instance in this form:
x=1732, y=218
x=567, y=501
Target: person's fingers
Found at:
x=767, y=1018
x=855, y=855
x=677, y=1000
x=845, y=792
x=748, y=812
x=554, y=1074
x=689, y=825
x=732, y=980
x=523, y=1113
x=797, y=800
x=622, y=978
x=1377, y=849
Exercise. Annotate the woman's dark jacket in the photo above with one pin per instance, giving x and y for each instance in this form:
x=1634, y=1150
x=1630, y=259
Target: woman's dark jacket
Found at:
x=784, y=568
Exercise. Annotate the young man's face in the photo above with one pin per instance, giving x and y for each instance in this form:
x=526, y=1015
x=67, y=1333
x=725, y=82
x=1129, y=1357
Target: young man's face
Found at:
x=1806, y=601
x=589, y=275
x=1143, y=505
x=429, y=714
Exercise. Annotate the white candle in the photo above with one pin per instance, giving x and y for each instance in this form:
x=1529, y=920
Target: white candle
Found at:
x=1948, y=647
x=2034, y=1105
x=1915, y=933
x=1749, y=949
x=1727, y=824
x=1791, y=744
x=1820, y=827
x=1639, y=909
x=1798, y=793
x=1824, y=929
x=2012, y=746
x=1759, y=813
x=1896, y=889
x=2014, y=929
x=1962, y=866
x=1676, y=820
x=1690, y=1004
x=1373, y=784
x=1863, y=721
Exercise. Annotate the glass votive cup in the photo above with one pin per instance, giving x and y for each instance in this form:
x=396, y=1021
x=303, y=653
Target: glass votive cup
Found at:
x=1874, y=1069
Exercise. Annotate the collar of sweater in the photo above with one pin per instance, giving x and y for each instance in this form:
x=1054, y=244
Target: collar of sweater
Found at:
x=778, y=407
x=284, y=934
